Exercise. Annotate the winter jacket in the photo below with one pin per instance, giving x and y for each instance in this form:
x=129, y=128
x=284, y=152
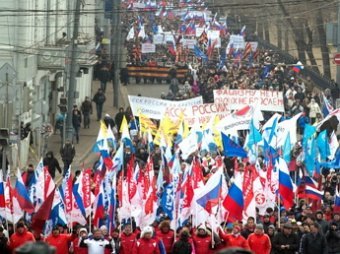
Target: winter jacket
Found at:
x=16, y=240
x=109, y=122
x=202, y=244
x=182, y=247
x=259, y=243
x=67, y=152
x=314, y=244
x=282, y=239
x=126, y=243
x=76, y=248
x=146, y=246
x=86, y=107
x=3, y=245
x=95, y=246
x=51, y=163
x=333, y=241
x=60, y=242
x=234, y=240
x=99, y=98
x=167, y=238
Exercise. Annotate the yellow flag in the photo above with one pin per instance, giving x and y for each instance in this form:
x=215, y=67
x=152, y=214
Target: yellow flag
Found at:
x=124, y=125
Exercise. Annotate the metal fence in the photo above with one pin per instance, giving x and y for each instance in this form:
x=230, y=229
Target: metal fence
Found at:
x=286, y=58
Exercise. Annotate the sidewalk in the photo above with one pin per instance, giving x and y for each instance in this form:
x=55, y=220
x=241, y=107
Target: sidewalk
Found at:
x=85, y=158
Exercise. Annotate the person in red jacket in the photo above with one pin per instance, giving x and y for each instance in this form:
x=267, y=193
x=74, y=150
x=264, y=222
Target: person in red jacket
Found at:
x=82, y=233
x=146, y=245
x=259, y=242
x=202, y=241
x=20, y=237
x=235, y=239
x=166, y=235
x=127, y=240
x=59, y=241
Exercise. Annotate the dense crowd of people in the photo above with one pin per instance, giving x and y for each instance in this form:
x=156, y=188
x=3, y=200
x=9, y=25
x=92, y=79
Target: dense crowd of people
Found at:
x=307, y=228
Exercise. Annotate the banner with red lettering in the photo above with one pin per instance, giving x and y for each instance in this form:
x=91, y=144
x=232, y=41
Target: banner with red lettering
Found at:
x=265, y=100
x=201, y=114
x=86, y=190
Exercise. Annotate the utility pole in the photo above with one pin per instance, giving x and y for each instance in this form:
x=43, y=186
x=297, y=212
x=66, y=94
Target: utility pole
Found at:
x=338, y=44
x=116, y=45
x=73, y=71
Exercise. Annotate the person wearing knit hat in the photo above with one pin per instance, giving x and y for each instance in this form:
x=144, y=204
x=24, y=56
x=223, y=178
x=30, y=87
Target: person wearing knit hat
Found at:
x=235, y=239
x=201, y=240
x=166, y=235
x=82, y=234
x=146, y=244
x=258, y=241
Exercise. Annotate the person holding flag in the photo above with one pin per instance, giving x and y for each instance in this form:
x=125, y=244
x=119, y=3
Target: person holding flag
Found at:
x=60, y=241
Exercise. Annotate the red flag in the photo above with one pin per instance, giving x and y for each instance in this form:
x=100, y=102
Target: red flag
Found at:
x=43, y=214
x=132, y=185
x=197, y=174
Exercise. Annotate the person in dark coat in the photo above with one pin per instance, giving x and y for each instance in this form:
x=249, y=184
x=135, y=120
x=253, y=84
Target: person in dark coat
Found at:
x=286, y=242
x=3, y=242
x=51, y=163
x=86, y=109
x=109, y=121
x=67, y=153
x=314, y=242
x=119, y=117
x=183, y=245
x=333, y=239
x=99, y=98
x=104, y=76
x=76, y=122
x=319, y=219
x=124, y=76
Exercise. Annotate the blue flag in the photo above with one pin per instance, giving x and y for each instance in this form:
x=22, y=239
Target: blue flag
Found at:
x=308, y=132
x=323, y=145
x=254, y=135
x=167, y=200
x=198, y=53
x=287, y=149
x=231, y=149
x=310, y=153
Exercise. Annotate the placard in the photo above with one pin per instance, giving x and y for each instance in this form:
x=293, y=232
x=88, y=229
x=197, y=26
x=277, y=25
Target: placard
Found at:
x=263, y=99
x=237, y=41
x=155, y=108
x=148, y=48
x=158, y=39
x=190, y=43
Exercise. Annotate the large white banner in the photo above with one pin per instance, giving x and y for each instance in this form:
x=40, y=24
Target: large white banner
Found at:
x=238, y=98
x=190, y=43
x=201, y=114
x=155, y=108
x=237, y=41
x=148, y=48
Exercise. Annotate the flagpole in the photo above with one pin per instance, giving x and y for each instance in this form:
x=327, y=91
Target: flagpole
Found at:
x=279, y=211
x=90, y=219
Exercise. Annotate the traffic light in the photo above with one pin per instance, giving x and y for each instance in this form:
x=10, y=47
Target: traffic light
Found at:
x=63, y=105
x=4, y=137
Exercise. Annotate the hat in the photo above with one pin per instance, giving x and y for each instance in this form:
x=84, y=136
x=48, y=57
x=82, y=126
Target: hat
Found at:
x=82, y=230
x=55, y=228
x=288, y=225
x=202, y=227
x=103, y=227
x=272, y=227
x=146, y=230
x=259, y=226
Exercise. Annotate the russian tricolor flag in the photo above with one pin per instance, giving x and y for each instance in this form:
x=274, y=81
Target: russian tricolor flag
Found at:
x=313, y=193
x=286, y=188
x=234, y=201
x=2, y=192
x=22, y=195
x=298, y=67
x=211, y=193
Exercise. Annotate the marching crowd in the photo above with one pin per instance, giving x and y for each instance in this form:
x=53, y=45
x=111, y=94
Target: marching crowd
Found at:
x=303, y=229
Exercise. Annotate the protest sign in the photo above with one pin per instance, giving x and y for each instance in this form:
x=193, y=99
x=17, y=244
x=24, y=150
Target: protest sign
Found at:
x=238, y=98
x=155, y=108
x=254, y=45
x=148, y=48
x=213, y=34
x=237, y=41
x=190, y=43
x=201, y=114
x=158, y=39
x=199, y=31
